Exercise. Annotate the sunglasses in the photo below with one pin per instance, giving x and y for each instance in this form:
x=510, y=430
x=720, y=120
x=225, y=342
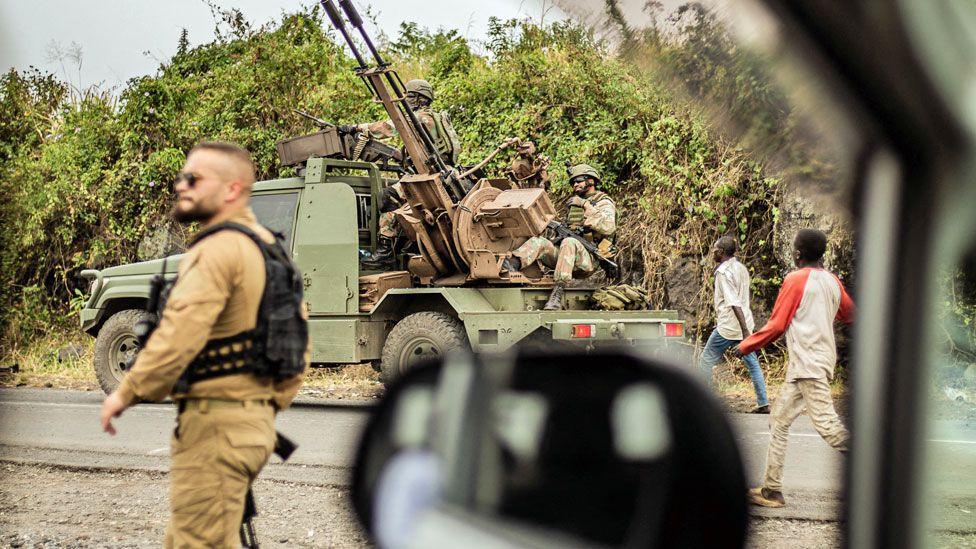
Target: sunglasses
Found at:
x=190, y=178
x=579, y=179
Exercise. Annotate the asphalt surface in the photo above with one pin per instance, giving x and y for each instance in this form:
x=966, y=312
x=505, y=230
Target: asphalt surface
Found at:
x=61, y=428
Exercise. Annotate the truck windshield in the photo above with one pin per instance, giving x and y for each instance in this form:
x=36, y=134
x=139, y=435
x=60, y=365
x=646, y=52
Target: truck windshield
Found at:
x=277, y=212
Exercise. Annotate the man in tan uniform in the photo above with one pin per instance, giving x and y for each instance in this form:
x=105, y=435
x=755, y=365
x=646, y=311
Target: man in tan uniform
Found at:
x=225, y=428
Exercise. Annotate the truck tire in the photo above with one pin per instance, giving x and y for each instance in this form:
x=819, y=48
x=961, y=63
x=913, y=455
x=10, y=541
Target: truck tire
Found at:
x=115, y=344
x=418, y=337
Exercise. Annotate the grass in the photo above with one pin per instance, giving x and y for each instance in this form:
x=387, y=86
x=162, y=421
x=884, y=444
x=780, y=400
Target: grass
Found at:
x=350, y=381
x=732, y=382
x=40, y=365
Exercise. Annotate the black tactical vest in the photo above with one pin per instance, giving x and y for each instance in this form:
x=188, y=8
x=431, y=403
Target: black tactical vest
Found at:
x=275, y=347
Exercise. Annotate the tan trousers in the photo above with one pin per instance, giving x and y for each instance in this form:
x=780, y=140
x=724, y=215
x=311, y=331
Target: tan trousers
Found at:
x=794, y=396
x=221, y=448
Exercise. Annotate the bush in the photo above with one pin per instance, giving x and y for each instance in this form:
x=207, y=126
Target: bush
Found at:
x=83, y=175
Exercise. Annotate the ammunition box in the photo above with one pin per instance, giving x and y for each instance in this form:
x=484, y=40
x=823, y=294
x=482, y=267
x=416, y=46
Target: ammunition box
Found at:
x=517, y=213
x=296, y=150
x=372, y=288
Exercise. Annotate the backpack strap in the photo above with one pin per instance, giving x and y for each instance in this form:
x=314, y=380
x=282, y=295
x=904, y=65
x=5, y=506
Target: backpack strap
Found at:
x=241, y=352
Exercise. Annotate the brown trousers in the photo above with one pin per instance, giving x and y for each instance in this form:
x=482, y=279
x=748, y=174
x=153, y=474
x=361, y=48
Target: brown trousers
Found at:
x=795, y=396
x=220, y=449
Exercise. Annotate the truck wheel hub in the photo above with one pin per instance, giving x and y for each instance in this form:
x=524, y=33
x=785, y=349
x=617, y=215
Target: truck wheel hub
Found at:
x=418, y=350
x=123, y=351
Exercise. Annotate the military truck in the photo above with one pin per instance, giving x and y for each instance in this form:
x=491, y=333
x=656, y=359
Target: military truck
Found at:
x=392, y=319
x=449, y=289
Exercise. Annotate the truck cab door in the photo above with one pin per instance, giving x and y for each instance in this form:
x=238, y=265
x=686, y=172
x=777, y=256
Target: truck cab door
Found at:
x=326, y=247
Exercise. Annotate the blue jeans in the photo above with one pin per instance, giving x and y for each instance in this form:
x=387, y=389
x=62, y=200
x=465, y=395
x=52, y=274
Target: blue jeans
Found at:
x=715, y=347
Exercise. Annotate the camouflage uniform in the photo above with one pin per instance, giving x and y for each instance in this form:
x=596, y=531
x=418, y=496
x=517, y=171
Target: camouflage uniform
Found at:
x=437, y=124
x=385, y=130
x=598, y=219
x=388, y=226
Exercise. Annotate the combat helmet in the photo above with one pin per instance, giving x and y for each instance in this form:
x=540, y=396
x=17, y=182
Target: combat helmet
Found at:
x=583, y=169
x=421, y=87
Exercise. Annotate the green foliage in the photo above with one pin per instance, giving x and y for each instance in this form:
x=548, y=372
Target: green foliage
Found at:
x=957, y=312
x=84, y=175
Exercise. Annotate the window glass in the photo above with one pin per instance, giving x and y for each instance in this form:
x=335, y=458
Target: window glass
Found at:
x=949, y=480
x=708, y=120
x=277, y=212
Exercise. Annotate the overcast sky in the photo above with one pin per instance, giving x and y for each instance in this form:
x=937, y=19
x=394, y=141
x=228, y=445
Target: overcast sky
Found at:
x=121, y=39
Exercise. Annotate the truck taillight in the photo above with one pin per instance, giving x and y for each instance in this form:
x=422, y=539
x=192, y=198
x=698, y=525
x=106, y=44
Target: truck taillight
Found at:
x=674, y=329
x=583, y=331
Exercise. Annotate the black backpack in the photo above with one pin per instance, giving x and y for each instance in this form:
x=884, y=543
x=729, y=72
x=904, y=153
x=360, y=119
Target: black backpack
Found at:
x=276, y=346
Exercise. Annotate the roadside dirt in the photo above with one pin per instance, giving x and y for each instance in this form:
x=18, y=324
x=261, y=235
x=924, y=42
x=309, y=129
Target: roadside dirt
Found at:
x=43, y=507
x=47, y=507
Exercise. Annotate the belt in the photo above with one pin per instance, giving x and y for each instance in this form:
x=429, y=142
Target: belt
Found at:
x=204, y=404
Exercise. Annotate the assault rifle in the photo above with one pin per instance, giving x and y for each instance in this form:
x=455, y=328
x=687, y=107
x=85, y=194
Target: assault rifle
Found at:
x=562, y=232
x=284, y=447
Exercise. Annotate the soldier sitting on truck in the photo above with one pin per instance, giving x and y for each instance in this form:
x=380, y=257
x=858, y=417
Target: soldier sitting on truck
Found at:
x=593, y=215
x=419, y=97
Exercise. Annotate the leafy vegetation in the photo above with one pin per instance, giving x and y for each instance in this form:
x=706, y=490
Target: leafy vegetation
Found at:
x=83, y=173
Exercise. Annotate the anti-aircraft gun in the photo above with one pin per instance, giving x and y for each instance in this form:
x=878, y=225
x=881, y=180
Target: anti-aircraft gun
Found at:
x=463, y=232
x=455, y=295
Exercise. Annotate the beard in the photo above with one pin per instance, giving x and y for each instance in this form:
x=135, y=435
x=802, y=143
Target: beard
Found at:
x=197, y=212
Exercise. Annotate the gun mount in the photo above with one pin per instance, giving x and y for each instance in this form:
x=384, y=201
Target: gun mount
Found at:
x=331, y=142
x=462, y=233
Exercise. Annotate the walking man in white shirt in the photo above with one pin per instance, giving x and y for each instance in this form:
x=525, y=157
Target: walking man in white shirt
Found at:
x=733, y=318
x=807, y=305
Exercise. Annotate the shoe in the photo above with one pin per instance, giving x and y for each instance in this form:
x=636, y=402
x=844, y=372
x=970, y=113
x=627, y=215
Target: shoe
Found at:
x=555, y=302
x=512, y=264
x=760, y=410
x=765, y=497
x=382, y=259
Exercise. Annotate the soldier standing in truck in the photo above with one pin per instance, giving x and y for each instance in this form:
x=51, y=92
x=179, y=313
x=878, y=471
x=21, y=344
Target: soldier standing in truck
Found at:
x=419, y=97
x=592, y=214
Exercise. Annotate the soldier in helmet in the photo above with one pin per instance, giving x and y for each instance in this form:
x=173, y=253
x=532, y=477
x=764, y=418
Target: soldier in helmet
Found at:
x=591, y=213
x=419, y=96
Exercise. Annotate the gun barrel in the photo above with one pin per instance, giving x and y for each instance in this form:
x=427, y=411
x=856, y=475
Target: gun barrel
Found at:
x=355, y=20
x=318, y=121
x=336, y=18
x=427, y=155
x=351, y=13
x=333, y=14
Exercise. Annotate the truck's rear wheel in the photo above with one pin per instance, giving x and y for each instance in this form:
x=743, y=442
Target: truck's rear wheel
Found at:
x=115, y=345
x=419, y=337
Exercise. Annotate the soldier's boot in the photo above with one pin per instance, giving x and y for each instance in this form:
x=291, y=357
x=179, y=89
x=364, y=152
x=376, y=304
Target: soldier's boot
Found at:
x=512, y=264
x=555, y=298
x=382, y=258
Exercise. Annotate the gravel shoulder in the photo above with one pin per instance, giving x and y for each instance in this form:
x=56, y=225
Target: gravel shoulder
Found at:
x=44, y=507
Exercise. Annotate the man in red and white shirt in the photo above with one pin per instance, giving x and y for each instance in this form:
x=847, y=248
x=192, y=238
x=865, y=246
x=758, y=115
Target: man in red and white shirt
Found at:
x=809, y=301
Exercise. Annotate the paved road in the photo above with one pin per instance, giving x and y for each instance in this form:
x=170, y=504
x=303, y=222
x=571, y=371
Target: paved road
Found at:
x=61, y=427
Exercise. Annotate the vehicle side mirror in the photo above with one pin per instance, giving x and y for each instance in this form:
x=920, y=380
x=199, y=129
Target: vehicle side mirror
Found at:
x=538, y=450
